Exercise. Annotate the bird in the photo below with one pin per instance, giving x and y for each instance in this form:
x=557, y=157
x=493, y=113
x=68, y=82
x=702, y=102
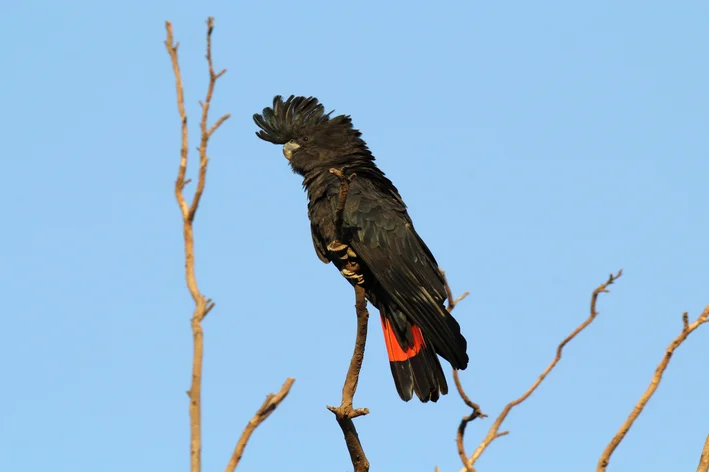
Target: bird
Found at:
x=399, y=273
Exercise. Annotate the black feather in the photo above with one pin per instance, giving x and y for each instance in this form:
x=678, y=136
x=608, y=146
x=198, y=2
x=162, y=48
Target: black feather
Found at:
x=282, y=122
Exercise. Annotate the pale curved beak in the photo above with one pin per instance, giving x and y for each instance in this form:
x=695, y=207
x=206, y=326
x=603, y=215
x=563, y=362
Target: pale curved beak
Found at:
x=289, y=147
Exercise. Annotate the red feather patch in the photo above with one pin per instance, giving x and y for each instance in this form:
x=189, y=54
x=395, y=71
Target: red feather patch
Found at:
x=394, y=350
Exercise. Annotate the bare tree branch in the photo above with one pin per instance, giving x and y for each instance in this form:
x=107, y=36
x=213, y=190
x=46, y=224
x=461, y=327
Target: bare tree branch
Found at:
x=704, y=459
x=269, y=405
x=477, y=412
x=203, y=305
x=687, y=329
x=345, y=413
x=494, y=433
x=203, y=160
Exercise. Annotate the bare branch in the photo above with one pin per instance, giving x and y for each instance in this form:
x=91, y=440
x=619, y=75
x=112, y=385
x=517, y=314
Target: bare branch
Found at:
x=345, y=413
x=704, y=459
x=202, y=305
x=203, y=160
x=269, y=405
x=494, y=433
x=477, y=412
x=687, y=329
x=180, y=183
x=452, y=302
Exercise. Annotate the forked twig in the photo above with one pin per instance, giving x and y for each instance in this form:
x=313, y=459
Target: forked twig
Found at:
x=494, y=433
x=203, y=305
x=477, y=412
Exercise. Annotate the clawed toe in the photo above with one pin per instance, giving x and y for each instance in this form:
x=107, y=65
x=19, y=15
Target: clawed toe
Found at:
x=352, y=275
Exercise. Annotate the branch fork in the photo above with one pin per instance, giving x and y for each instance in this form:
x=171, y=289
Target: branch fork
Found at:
x=204, y=305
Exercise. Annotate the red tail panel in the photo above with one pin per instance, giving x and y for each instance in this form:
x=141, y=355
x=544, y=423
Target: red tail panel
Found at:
x=394, y=350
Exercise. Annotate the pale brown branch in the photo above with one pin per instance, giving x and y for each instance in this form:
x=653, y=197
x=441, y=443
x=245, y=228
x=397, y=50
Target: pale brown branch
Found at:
x=202, y=304
x=704, y=459
x=269, y=405
x=206, y=134
x=345, y=413
x=217, y=124
x=687, y=329
x=494, y=431
x=180, y=182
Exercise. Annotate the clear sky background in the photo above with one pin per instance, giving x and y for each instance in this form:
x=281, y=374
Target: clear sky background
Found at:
x=539, y=146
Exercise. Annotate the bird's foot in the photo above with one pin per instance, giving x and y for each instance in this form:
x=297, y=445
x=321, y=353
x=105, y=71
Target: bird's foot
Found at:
x=345, y=253
x=352, y=273
x=342, y=250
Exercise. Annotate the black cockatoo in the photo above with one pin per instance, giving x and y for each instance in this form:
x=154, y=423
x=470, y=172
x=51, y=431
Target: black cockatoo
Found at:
x=399, y=273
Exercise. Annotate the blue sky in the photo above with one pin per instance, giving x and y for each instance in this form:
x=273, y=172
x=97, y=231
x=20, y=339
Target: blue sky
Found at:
x=539, y=146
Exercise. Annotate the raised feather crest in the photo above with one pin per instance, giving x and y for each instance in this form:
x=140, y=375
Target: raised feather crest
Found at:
x=282, y=122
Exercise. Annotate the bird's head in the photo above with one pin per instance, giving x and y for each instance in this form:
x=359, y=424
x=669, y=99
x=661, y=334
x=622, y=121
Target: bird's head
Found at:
x=311, y=139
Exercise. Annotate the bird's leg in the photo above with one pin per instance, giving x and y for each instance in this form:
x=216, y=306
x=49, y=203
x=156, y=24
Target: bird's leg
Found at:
x=349, y=257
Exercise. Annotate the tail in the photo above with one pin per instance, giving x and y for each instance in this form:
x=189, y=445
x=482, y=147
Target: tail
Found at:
x=415, y=367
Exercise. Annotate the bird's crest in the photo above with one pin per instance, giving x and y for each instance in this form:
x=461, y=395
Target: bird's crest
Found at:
x=281, y=123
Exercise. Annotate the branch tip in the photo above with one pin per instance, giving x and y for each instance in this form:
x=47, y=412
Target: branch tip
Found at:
x=687, y=329
x=269, y=405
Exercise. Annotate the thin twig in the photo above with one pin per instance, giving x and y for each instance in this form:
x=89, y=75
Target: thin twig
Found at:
x=704, y=459
x=345, y=413
x=203, y=159
x=687, y=329
x=494, y=433
x=477, y=412
x=202, y=304
x=452, y=302
x=269, y=405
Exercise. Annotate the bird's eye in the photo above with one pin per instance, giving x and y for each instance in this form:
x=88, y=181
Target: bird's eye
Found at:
x=305, y=138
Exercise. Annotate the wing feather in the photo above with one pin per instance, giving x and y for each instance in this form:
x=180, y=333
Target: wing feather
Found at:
x=386, y=242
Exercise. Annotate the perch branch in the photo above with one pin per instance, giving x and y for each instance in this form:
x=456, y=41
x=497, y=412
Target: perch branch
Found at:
x=345, y=413
x=269, y=405
x=687, y=329
x=494, y=433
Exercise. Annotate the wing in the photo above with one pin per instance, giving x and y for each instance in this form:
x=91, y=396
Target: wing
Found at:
x=319, y=244
x=385, y=240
